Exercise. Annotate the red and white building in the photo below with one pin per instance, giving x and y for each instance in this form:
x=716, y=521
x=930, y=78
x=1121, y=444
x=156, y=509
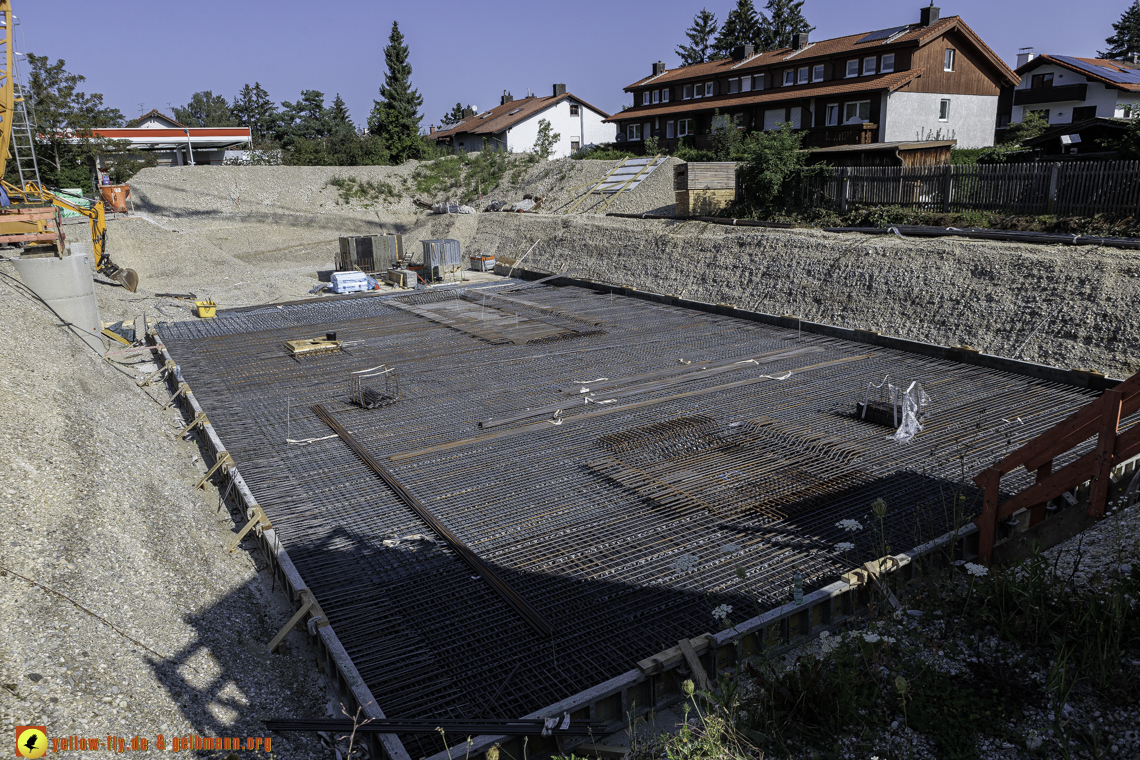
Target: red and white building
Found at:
x=174, y=144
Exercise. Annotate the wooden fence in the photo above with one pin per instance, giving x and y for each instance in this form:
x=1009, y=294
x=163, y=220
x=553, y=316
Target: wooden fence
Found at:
x=1079, y=189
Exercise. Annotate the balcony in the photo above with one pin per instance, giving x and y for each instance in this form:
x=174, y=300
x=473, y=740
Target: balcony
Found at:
x=842, y=134
x=1062, y=94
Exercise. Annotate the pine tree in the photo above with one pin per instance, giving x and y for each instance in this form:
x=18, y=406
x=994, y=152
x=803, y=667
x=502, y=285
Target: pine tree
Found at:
x=453, y=117
x=396, y=117
x=784, y=18
x=701, y=35
x=1127, y=37
x=252, y=108
x=741, y=27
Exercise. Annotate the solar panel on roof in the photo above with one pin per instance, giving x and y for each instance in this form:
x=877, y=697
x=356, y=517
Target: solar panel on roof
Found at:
x=1127, y=76
x=883, y=34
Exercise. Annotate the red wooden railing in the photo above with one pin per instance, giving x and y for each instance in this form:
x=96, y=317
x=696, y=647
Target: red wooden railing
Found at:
x=1100, y=418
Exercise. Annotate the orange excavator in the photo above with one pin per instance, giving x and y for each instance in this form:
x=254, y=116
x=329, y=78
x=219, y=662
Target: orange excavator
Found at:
x=30, y=212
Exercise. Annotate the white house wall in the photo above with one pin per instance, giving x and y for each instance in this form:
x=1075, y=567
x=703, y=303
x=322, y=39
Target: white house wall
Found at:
x=914, y=116
x=586, y=128
x=1106, y=99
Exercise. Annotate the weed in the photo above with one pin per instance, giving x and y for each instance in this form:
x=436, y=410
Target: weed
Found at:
x=353, y=188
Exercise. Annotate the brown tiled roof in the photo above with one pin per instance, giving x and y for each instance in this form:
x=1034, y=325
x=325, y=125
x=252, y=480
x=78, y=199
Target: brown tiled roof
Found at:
x=1108, y=64
x=728, y=103
x=501, y=117
x=916, y=36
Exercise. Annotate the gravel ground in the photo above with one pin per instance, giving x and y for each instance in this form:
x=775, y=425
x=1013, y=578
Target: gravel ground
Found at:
x=97, y=503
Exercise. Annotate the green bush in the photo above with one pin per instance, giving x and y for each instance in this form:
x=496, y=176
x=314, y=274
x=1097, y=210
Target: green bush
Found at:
x=604, y=152
x=686, y=153
x=770, y=159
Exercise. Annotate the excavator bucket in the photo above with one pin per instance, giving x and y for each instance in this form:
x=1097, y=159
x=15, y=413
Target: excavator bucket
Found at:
x=128, y=278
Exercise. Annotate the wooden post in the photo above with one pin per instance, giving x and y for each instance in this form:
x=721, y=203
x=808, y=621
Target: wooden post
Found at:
x=1037, y=513
x=1051, y=199
x=947, y=186
x=843, y=188
x=987, y=522
x=1105, y=448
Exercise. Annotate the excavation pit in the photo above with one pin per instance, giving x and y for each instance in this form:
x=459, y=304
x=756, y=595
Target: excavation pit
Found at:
x=612, y=460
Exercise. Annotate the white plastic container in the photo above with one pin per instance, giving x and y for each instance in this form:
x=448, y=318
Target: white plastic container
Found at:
x=350, y=282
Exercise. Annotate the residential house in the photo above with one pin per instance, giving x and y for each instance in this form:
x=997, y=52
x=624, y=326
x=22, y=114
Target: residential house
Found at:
x=512, y=126
x=174, y=144
x=934, y=80
x=1064, y=89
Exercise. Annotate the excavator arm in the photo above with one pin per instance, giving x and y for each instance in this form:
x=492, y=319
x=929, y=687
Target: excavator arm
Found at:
x=33, y=192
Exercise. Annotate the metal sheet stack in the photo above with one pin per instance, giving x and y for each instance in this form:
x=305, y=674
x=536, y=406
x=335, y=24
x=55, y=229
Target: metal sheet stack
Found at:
x=441, y=257
x=704, y=188
x=370, y=254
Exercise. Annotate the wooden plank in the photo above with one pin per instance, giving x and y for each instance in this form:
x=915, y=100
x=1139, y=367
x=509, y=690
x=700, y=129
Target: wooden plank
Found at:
x=695, y=665
x=987, y=521
x=1037, y=512
x=1105, y=447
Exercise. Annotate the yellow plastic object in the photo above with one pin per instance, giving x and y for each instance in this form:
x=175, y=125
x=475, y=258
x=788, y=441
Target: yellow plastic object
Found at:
x=206, y=309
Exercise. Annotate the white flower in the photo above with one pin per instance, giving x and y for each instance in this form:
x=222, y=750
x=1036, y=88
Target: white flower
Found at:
x=686, y=563
x=976, y=570
x=849, y=525
x=871, y=638
x=722, y=612
x=824, y=634
x=844, y=546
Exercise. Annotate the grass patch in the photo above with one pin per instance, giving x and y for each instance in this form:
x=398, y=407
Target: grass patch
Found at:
x=466, y=175
x=354, y=188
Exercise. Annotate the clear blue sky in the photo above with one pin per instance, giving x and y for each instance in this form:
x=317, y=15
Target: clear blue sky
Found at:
x=155, y=52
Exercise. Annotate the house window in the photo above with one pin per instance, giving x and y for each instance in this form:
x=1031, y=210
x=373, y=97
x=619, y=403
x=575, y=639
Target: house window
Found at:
x=573, y=109
x=857, y=112
x=738, y=120
x=665, y=95
x=802, y=75
x=832, y=114
x=656, y=96
x=745, y=84
x=633, y=132
x=888, y=63
x=757, y=81
x=1041, y=80
x=944, y=109
x=698, y=91
x=684, y=127
x=1080, y=113
x=1122, y=111
x=869, y=65
x=774, y=117
x=733, y=86
x=817, y=73
x=574, y=145
x=789, y=77
x=853, y=67
x=687, y=92
x=669, y=133
x=645, y=98
x=708, y=89
x=948, y=64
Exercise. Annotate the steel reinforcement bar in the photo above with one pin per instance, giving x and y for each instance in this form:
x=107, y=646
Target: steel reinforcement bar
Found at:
x=330, y=652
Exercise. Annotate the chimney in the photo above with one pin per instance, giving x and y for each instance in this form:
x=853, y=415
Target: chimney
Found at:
x=658, y=68
x=800, y=40
x=469, y=111
x=740, y=52
x=559, y=89
x=1134, y=58
x=431, y=130
x=929, y=15
x=507, y=98
x=1024, y=56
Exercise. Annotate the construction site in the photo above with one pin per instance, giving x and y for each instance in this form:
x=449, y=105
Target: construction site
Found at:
x=322, y=451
